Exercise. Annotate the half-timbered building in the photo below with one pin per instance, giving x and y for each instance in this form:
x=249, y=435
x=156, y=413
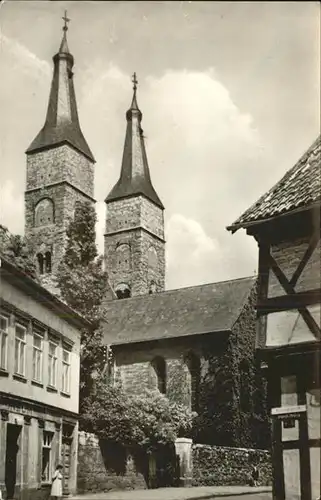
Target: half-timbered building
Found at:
x=286, y=225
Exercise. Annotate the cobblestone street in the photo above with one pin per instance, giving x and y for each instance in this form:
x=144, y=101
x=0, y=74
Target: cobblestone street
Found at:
x=196, y=493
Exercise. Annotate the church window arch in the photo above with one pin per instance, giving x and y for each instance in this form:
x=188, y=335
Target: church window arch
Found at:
x=152, y=257
x=192, y=362
x=48, y=262
x=152, y=287
x=44, y=212
x=40, y=263
x=122, y=291
x=158, y=366
x=123, y=256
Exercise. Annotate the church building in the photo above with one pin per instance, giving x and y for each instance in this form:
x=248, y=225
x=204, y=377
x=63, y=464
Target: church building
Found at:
x=194, y=344
x=60, y=170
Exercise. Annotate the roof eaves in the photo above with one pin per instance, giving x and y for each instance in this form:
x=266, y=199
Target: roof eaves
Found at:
x=257, y=222
x=167, y=337
x=73, y=316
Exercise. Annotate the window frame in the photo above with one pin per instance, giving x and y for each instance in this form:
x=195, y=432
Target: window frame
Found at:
x=46, y=446
x=50, y=358
x=43, y=223
x=4, y=334
x=21, y=342
x=159, y=366
x=36, y=333
x=66, y=388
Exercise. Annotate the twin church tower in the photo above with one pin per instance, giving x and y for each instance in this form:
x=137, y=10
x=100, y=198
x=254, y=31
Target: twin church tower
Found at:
x=60, y=173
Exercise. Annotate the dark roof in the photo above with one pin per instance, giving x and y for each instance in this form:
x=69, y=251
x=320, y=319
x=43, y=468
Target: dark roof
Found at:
x=300, y=188
x=134, y=176
x=62, y=122
x=175, y=313
x=40, y=294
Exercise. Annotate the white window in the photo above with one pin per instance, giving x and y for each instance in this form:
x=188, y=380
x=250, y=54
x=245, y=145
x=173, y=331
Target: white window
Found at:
x=52, y=364
x=20, y=349
x=46, y=456
x=4, y=325
x=65, y=371
x=37, y=356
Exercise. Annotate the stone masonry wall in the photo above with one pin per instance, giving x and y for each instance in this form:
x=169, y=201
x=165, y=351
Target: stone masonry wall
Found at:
x=44, y=170
x=61, y=163
x=102, y=467
x=124, y=221
x=133, y=368
x=51, y=237
x=232, y=393
x=222, y=466
x=152, y=217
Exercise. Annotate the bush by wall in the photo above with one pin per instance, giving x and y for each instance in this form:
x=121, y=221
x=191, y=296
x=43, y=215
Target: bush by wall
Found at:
x=222, y=466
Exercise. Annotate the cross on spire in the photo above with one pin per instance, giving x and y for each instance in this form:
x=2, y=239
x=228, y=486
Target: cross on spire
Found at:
x=135, y=81
x=66, y=21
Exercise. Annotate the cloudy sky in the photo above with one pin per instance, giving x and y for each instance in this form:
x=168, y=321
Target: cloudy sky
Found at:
x=230, y=95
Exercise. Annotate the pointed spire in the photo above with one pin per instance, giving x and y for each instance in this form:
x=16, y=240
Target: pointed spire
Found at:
x=134, y=104
x=64, y=45
x=62, y=122
x=135, y=176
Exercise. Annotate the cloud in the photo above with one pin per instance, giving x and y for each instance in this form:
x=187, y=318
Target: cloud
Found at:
x=189, y=252
x=11, y=206
x=28, y=61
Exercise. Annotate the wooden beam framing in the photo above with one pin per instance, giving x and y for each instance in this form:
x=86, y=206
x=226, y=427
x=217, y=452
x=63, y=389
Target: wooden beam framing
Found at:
x=312, y=246
x=289, y=289
x=289, y=301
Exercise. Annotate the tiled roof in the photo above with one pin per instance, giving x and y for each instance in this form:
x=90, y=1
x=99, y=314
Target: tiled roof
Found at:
x=62, y=123
x=175, y=313
x=134, y=176
x=299, y=188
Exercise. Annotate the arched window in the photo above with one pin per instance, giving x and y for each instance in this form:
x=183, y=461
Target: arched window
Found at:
x=123, y=256
x=193, y=364
x=152, y=257
x=152, y=287
x=158, y=366
x=40, y=262
x=122, y=291
x=48, y=262
x=44, y=212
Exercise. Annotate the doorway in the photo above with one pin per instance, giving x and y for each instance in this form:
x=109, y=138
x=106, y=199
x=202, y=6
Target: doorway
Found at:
x=12, y=448
x=66, y=458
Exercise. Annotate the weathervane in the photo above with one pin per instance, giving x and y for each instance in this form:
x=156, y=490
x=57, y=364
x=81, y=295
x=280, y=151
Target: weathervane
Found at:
x=135, y=82
x=66, y=21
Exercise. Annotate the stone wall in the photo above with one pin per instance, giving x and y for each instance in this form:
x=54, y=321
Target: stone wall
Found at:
x=139, y=224
x=221, y=466
x=232, y=393
x=64, y=176
x=60, y=163
x=103, y=467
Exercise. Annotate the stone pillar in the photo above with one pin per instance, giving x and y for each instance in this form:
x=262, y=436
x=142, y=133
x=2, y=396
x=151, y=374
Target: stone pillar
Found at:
x=26, y=456
x=3, y=440
x=183, y=449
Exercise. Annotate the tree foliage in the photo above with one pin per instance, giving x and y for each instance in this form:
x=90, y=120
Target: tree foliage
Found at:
x=82, y=283
x=15, y=249
x=81, y=278
x=146, y=420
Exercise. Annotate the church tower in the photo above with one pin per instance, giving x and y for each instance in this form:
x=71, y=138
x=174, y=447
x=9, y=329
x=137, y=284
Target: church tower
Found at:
x=134, y=238
x=60, y=168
